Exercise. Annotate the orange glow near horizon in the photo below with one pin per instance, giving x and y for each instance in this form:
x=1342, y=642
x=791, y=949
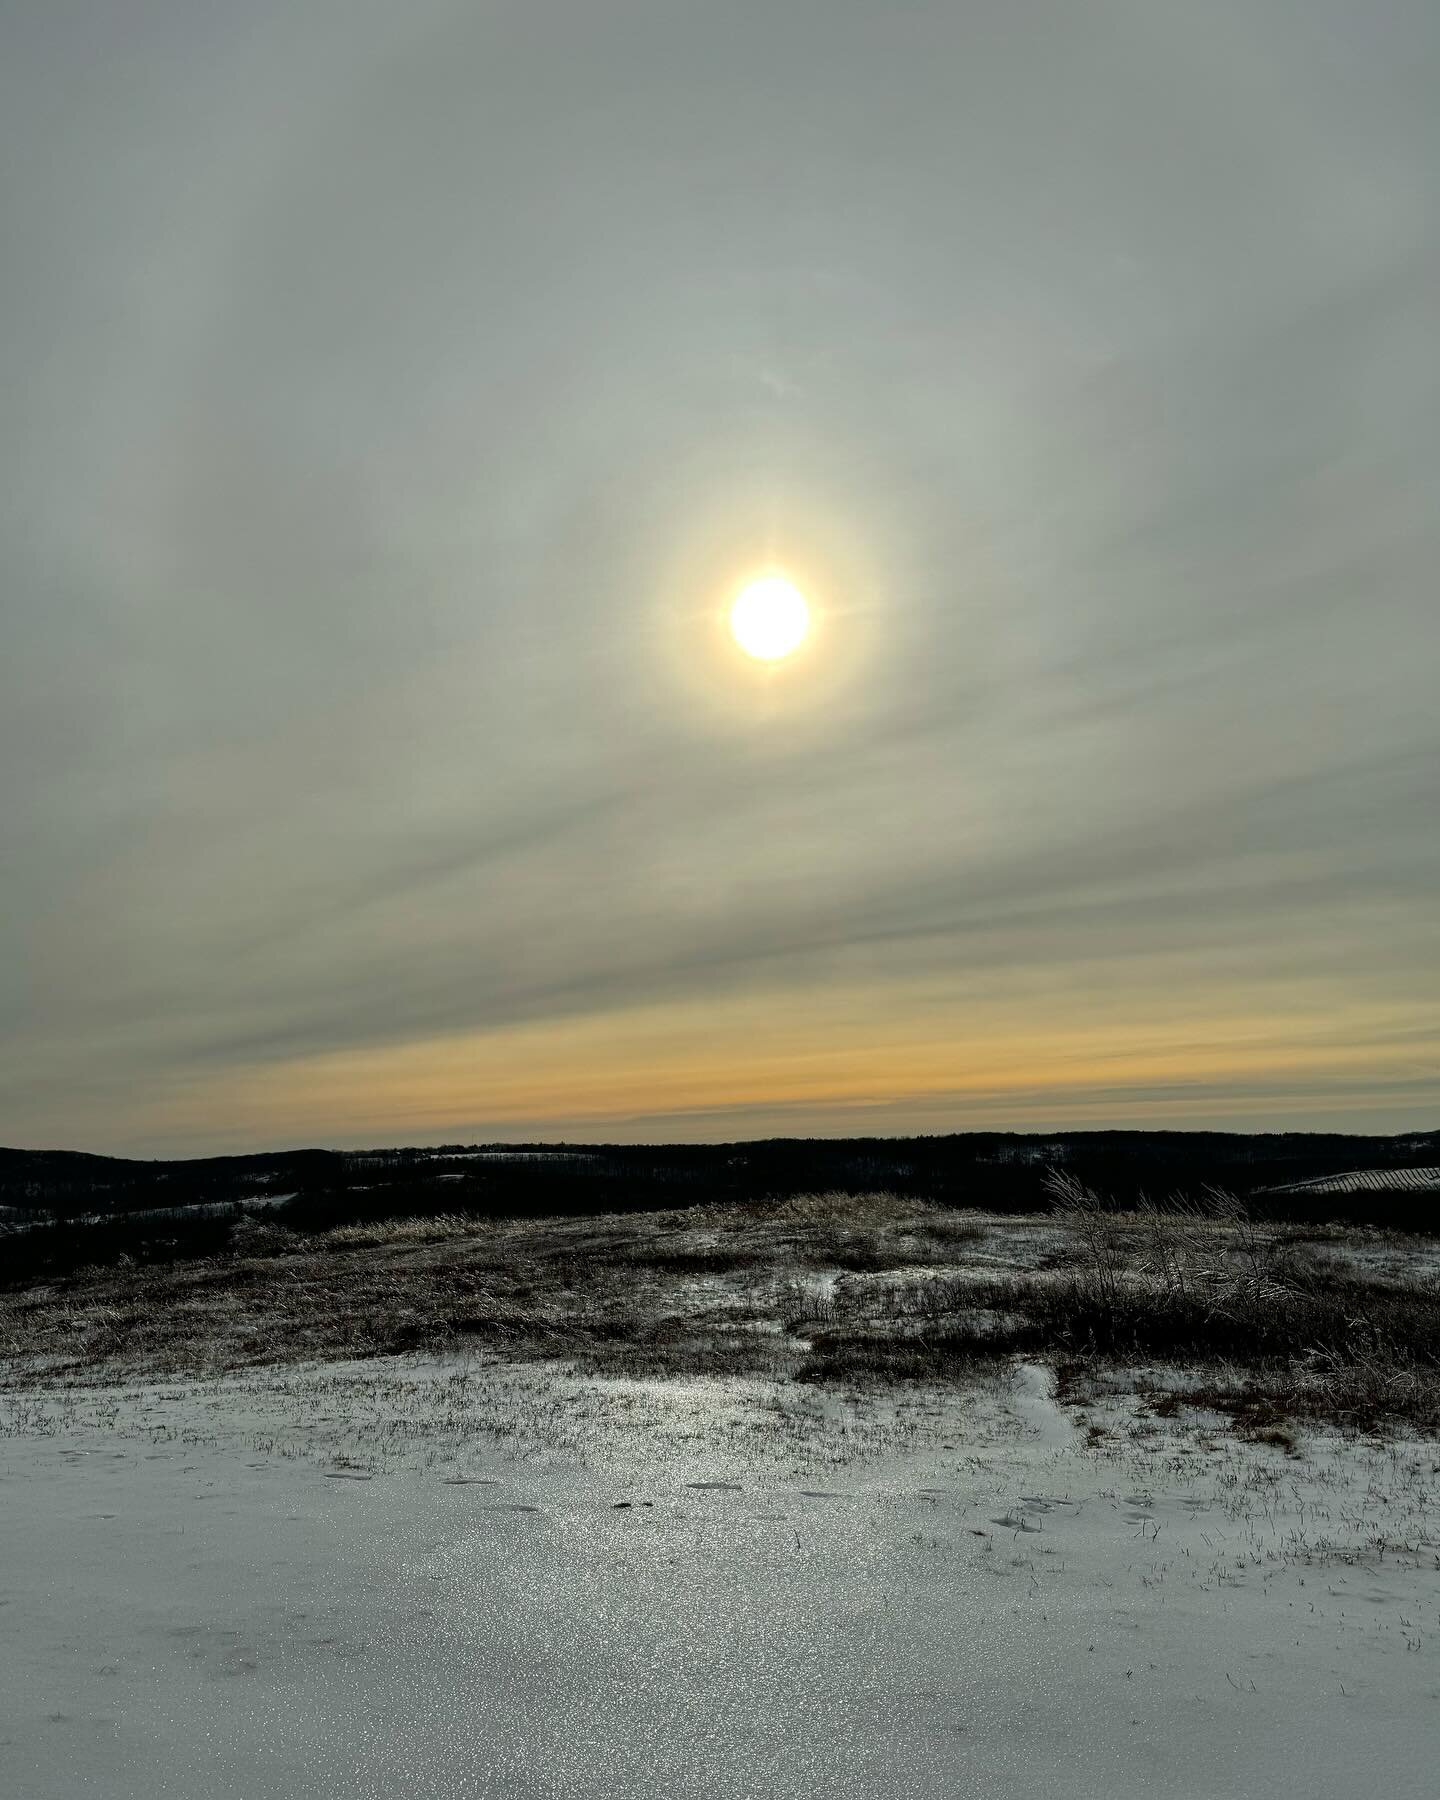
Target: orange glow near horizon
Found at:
x=792, y=1070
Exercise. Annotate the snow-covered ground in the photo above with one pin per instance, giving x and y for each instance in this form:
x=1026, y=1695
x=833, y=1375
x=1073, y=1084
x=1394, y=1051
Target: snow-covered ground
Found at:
x=1365, y=1181
x=506, y=1156
x=457, y=1579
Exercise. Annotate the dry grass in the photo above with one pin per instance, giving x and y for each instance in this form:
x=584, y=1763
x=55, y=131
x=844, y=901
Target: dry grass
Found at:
x=1278, y=1329
x=824, y=1288
x=657, y=1293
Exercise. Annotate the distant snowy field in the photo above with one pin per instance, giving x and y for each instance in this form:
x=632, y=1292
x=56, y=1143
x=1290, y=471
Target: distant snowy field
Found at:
x=464, y=1579
x=1367, y=1181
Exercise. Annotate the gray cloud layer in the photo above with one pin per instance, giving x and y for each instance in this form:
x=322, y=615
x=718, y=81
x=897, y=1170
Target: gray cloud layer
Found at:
x=387, y=388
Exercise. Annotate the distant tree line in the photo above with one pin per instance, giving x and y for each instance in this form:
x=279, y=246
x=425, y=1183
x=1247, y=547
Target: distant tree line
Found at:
x=61, y=1210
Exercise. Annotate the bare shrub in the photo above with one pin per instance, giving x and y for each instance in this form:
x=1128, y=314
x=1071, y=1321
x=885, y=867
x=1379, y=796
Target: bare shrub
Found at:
x=1096, y=1230
x=803, y=1305
x=260, y=1237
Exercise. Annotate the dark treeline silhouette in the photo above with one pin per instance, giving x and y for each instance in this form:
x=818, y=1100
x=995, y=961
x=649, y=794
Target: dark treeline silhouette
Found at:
x=61, y=1210
x=71, y=1184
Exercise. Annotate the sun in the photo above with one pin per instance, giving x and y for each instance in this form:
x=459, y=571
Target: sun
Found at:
x=770, y=618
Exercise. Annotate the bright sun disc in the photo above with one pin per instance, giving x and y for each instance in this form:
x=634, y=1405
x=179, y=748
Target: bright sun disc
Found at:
x=769, y=618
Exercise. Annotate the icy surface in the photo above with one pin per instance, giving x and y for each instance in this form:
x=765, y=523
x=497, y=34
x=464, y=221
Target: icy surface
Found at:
x=387, y=1580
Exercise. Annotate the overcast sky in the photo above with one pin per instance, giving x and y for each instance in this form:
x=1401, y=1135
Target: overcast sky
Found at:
x=390, y=399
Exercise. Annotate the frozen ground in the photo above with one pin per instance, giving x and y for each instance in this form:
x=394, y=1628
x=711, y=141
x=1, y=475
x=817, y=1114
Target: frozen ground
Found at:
x=449, y=1578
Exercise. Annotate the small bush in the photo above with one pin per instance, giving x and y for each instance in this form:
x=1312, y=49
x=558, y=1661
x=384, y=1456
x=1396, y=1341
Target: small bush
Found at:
x=258, y=1237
